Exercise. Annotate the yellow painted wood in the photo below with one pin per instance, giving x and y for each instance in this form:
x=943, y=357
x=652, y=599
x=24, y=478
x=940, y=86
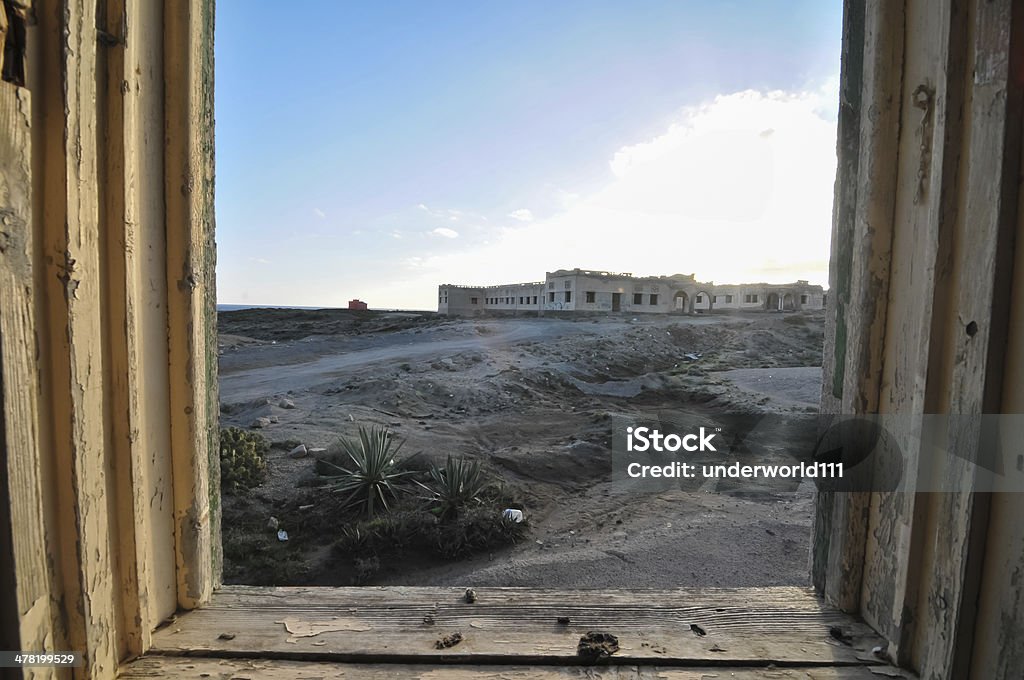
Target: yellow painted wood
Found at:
x=102, y=261
x=146, y=292
x=24, y=543
x=191, y=281
x=115, y=464
x=71, y=293
x=133, y=210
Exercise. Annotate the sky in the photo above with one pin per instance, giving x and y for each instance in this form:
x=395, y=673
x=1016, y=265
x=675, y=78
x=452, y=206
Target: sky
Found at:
x=376, y=149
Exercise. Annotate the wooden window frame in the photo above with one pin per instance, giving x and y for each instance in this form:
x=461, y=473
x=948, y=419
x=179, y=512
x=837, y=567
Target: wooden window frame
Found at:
x=108, y=370
x=108, y=327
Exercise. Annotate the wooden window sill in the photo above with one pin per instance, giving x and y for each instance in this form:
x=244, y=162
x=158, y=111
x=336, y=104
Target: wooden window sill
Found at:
x=377, y=632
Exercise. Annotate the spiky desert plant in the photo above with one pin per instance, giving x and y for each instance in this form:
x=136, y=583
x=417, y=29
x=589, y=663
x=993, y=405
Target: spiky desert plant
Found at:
x=452, y=487
x=373, y=475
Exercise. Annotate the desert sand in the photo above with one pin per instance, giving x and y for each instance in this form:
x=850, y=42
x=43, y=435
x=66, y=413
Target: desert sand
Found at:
x=532, y=398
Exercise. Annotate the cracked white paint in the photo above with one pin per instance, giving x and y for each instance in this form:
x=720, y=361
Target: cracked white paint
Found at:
x=301, y=628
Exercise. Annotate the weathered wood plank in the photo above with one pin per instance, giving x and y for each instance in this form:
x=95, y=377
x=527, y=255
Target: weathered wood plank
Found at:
x=521, y=625
x=999, y=634
x=106, y=106
x=191, y=281
x=147, y=262
x=844, y=211
x=24, y=539
x=926, y=195
x=509, y=641
x=870, y=256
x=956, y=206
x=790, y=598
x=123, y=386
x=975, y=330
x=265, y=669
x=70, y=317
x=844, y=206
x=861, y=329
x=136, y=284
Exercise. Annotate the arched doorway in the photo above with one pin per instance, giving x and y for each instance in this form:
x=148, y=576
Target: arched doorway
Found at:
x=681, y=302
x=772, y=304
x=703, y=301
x=788, y=302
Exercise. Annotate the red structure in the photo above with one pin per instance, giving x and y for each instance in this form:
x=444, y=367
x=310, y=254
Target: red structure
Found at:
x=356, y=304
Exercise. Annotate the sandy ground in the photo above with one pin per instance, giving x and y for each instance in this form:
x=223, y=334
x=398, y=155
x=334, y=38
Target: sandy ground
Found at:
x=796, y=386
x=534, y=399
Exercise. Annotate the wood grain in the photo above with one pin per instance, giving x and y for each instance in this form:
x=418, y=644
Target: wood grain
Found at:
x=511, y=625
x=975, y=335
x=136, y=285
x=112, y=118
x=925, y=208
x=999, y=634
x=191, y=304
x=265, y=669
x=71, y=316
x=24, y=539
x=862, y=281
x=827, y=519
x=937, y=218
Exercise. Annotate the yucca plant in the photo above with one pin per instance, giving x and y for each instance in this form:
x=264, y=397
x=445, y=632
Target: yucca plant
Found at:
x=459, y=483
x=373, y=476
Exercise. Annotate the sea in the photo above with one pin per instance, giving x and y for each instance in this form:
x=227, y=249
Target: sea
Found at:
x=235, y=308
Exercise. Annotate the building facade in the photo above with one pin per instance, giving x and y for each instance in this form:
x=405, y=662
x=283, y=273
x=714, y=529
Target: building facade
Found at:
x=582, y=290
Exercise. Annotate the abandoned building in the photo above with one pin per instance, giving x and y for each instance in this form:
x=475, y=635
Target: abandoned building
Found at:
x=109, y=483
x=583, y=290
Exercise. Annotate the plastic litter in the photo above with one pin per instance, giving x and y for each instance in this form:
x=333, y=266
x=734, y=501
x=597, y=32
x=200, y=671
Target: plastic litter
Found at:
x=513, y=515
x=282, y=535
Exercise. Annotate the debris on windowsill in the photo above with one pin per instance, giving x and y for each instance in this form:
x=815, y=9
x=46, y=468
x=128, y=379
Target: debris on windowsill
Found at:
x=449, y=641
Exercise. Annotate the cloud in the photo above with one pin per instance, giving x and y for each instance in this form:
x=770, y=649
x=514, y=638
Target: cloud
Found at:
x=736, y=189
x=320, y=213
x=450, y=214
x=523, y=215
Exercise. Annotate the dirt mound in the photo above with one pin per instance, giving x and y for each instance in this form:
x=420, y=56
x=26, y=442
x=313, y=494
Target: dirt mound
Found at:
x=282, y=325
